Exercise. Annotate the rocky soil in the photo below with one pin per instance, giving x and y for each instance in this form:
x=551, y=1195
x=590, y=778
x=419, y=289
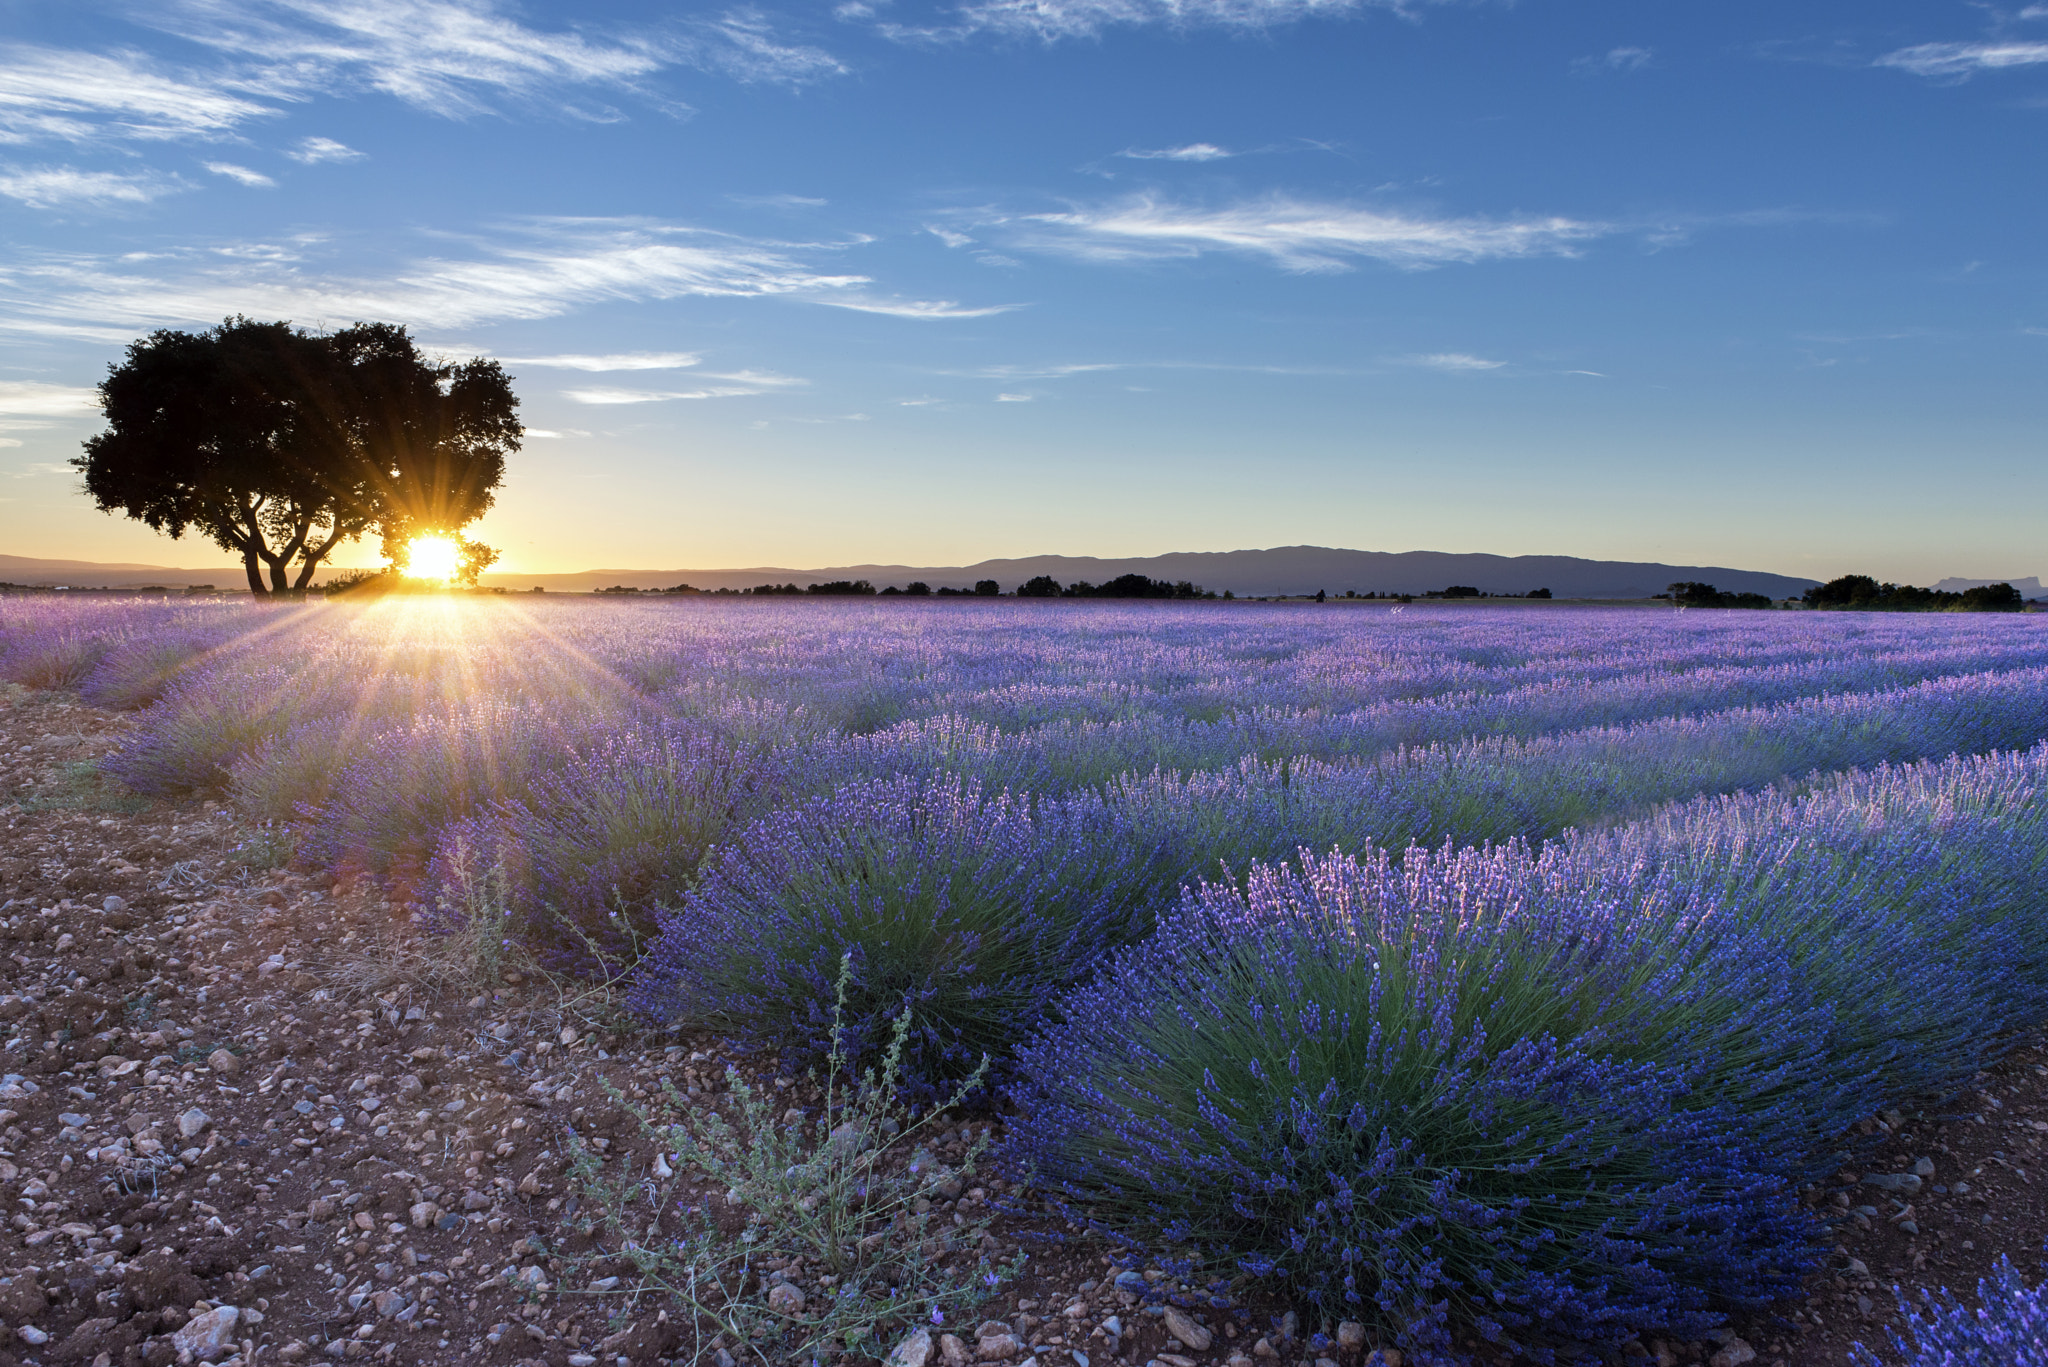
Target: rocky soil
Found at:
x=242, y=1120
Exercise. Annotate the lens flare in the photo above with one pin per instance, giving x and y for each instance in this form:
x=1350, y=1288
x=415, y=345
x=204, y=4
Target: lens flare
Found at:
x=438, y=558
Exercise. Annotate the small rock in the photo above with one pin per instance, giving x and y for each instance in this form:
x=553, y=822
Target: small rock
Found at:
x=997, y=1347
x=1733, y=1353
x=1264, y=1348
x=1351, y=1336
x=785, y=1299
x=1905, y=1183
x=1132, y=1282
x=207, y=1336
x=423, y=1214
x=388, y=1303
x=224, y=1063
x=192, y=1123
x=952, y=1351
x=73, y=1118
x=113, y=904
x=1923, y=1167
x=914, y=1351
x=32, y=1336
x=1183, y=1327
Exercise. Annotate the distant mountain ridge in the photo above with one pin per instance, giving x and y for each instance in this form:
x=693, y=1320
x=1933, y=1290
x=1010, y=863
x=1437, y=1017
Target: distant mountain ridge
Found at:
x=1281, y=570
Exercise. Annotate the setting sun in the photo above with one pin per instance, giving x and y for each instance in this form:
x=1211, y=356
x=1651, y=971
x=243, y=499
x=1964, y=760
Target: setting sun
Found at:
x=438, y=558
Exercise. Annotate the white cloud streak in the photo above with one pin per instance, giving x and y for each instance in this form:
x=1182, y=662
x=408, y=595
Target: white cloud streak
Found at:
x=313, y=151
x=632, y=360
x=49, y=94
x=1053, y=20
x=28, y=398
x=1451, y=362
x=741, y=44
x=1960, y=61
x=56, y=187
x=745, y=384
x=1296, y=235
x=239, y=174
x=1614, y=59
x=438, y=55
x=1194, y=151
x=924, y=309
x=541, y=271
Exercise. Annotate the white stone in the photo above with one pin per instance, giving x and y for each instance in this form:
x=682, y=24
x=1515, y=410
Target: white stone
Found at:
x=207, y=1336
x=914, y=1351
x=1183, y=1327
x=192, y=1123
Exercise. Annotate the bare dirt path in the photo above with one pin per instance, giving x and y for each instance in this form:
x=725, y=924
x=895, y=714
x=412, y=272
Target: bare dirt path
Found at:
x=237, y=1123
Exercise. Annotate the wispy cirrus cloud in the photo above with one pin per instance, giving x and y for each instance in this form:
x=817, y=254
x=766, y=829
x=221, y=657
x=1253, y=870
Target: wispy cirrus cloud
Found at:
x=444, y=56
x=241, y=175
x=1960, y=61
x=1194, y=151
x=1295, y=234
x=31, y=398
x=1450, y=362
x=457, y=57
x=1614, y=59
x=314, y=151
x=52, y=94
x=57, y=187
x=629, y=360
x=926, y=309
x=1054, y=20
x=742, y=44
x=742, y=384
x=537, y=270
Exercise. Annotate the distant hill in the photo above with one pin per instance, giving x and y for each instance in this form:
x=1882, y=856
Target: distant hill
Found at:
x=2030, y=587
x=1249, y=574
x=92, y=574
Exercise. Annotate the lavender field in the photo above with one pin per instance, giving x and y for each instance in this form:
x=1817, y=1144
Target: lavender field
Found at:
x=1475, y=974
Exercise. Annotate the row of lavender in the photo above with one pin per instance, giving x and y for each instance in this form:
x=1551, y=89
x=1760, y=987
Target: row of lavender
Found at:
x=1545, y=1094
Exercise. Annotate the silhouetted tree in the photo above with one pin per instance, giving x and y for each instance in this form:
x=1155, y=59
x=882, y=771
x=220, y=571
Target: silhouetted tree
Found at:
x=1992, y=598
x=919, y=589
x=278, y=444
x=1040, y=586
x=987, y=588
x=1859, y=592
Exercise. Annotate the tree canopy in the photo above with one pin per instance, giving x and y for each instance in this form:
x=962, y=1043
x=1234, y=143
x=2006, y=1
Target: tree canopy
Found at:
x=1860, y=592
x=279, y=444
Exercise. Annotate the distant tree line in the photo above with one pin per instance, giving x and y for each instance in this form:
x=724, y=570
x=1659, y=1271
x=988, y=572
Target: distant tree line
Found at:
x=1123, y=586
x=1861, y=593
x=1687, y=593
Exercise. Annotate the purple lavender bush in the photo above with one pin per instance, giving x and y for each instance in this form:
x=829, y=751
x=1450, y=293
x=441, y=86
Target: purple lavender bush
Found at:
x=404, y=784
x=581, y=862
x=1459, y=1095
x=967, y=908
x=134, y=673
x=2007, y=1328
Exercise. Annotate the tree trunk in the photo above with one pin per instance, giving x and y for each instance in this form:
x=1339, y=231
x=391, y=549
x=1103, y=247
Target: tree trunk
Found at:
x=315, y=557
x=255, y=571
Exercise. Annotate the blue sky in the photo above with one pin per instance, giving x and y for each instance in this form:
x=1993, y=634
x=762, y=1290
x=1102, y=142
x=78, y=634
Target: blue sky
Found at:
x=927, y=281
